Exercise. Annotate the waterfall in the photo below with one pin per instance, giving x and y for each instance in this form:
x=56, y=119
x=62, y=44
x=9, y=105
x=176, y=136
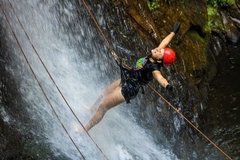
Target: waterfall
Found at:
x=64, y=50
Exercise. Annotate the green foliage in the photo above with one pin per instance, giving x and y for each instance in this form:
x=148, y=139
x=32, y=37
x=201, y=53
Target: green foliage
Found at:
x=152, y=4
x=220, y=3
x=214, y=19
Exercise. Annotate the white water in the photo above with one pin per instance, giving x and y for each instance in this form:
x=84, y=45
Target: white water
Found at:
x=118, y=135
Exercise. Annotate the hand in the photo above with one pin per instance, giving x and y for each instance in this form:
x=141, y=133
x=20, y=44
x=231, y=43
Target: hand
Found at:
x=176, y=27
x=171, y=90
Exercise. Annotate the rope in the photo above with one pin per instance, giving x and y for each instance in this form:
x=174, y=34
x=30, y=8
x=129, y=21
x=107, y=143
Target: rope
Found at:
x=65, y=100
x=102, y=35
x=115, y=56
x=189, y=122
x=54, y=111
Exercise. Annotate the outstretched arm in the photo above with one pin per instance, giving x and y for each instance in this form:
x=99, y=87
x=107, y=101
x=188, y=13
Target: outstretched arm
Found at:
x=166, y=40
x=169, y=37
x=161, y=80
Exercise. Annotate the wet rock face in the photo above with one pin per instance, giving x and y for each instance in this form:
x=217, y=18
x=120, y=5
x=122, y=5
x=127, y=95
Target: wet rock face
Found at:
x=231, y=22
x=11, y=139
x=189, y=42
x=192, y=42
x=222, y=114
x=198, y=51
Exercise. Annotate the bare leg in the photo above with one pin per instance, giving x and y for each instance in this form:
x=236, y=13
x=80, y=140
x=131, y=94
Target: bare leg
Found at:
x=108, y=90
x=110, y=100
x=112, y=86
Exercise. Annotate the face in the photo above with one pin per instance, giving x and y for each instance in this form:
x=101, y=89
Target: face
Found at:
x=157, y=53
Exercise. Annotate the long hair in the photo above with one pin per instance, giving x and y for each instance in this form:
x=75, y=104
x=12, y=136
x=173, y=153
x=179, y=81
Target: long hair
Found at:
x=149, y=55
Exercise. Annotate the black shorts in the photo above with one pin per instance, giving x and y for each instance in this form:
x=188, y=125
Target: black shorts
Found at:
x=130, y=86
x=130, y=89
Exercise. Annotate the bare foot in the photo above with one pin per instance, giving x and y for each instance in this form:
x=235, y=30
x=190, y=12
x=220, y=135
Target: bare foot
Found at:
x=78, y=128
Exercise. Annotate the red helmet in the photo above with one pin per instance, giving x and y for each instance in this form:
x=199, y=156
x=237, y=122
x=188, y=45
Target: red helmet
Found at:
x=169, y=56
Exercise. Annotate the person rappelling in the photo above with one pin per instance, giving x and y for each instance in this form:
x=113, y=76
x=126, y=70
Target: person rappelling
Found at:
x=127, y=87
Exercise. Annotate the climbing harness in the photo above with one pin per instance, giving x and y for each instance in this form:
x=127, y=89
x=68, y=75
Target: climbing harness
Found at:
x=116, y=57
x=39, y=83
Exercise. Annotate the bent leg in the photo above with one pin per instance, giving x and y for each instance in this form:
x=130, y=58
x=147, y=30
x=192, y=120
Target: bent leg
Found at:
x=110, y=100
x=109, y=89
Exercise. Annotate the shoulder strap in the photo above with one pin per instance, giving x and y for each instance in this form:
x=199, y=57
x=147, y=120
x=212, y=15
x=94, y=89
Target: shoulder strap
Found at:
x=140, y=63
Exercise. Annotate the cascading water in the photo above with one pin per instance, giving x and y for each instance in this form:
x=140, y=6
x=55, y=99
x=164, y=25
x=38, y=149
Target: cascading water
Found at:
x=77, y=60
